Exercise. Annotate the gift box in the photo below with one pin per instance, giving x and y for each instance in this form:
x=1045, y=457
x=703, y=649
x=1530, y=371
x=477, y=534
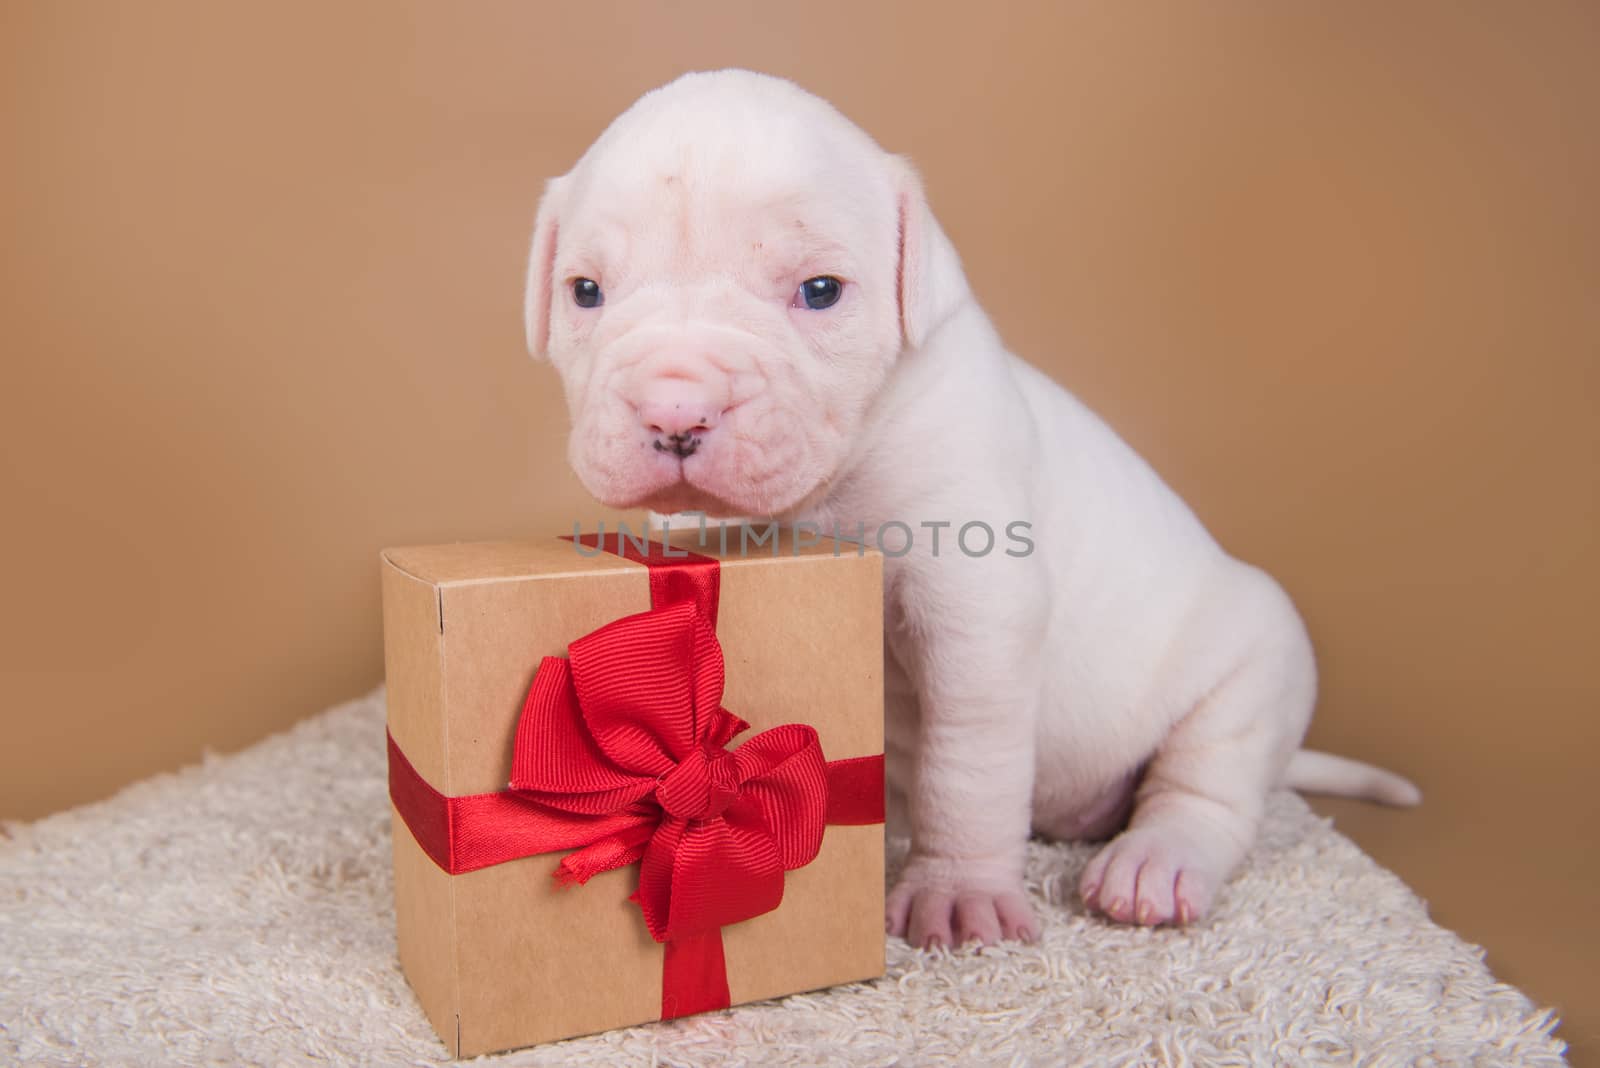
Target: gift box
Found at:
x=632, y=781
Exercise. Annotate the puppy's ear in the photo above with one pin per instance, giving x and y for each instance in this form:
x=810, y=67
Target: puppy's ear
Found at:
x=541, y=266
x=932, y=286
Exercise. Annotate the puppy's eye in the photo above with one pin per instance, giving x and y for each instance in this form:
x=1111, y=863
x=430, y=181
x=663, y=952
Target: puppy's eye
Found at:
x=586, y=293
x=818, y=293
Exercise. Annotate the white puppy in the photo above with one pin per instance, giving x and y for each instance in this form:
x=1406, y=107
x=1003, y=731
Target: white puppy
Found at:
x=753, y=313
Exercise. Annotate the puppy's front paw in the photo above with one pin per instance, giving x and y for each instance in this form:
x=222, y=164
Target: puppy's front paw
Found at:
x=1151, y=875
x=941, y=901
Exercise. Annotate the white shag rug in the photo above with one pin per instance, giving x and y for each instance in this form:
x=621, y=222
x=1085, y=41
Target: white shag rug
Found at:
x=240, y=913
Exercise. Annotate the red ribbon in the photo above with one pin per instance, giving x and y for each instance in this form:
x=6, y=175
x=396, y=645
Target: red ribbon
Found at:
x=621, y=752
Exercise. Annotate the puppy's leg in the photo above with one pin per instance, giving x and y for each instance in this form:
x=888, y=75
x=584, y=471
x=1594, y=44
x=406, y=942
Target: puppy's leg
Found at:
x=971, y=786
x=1201, y=800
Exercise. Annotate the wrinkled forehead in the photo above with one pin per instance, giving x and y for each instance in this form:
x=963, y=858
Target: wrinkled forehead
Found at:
x=691, y=196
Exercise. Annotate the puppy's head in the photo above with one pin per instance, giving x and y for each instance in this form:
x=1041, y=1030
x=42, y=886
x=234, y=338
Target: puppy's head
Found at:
x=724, y=282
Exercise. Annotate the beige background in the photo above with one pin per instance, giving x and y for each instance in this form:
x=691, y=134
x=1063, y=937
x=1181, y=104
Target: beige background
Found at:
x=1334, y=268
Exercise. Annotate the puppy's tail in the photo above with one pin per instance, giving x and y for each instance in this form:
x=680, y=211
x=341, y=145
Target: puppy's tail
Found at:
x=1324, y=773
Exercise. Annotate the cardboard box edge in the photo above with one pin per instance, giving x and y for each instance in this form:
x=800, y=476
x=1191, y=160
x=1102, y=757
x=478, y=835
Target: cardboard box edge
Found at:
x=421, y=621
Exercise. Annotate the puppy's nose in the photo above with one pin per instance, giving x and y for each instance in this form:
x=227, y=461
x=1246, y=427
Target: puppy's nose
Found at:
x=676, y=413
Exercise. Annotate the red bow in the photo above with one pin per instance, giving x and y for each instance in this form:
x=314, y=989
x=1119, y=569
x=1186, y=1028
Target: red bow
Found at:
x=632, y=727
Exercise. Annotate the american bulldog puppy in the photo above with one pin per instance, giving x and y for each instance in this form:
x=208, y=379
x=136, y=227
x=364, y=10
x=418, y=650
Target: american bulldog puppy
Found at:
x=753, y=313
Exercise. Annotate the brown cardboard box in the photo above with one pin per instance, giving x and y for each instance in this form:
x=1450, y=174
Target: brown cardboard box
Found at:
x=503, y=956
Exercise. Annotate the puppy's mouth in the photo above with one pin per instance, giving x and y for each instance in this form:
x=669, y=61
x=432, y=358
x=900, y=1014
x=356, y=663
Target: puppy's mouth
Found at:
x=685, y=496
x=680, y=485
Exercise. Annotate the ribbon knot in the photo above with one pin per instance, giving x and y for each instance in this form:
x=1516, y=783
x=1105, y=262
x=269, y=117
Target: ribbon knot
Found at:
x=702, y=786
x=630, y=728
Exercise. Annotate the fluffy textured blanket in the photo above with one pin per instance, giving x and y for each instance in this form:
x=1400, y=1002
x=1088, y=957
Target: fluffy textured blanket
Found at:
x=240, y=912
